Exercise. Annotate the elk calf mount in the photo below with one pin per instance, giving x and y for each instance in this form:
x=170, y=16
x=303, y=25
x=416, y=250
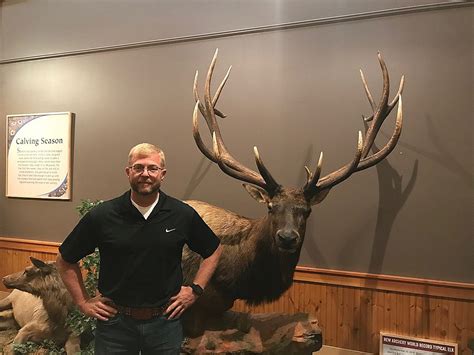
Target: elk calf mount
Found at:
x=260, y=255
x=40, y=304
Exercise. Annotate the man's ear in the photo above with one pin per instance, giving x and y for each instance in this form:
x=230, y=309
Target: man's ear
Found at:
x=259, y=194
x=319, y=197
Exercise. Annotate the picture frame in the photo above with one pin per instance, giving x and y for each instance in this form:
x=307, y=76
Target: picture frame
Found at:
x=39, y=153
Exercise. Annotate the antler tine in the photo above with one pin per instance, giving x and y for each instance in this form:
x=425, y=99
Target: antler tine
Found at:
x=197, y=137
x=362, y=160
x=391, y=105
x=309, y=174
x=216, y=96
x=221, y=155
x=209, y=115
x=272, y=185
x=207, y=110
x=256, y=180
x=387, y=149
x=369, y=95
x=341, y=174
x=380, y=113
x=198, y=100
x=221, y=86
x=310, y=187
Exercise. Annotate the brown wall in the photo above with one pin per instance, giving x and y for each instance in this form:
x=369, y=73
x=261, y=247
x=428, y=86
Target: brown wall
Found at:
x=293, y=93
x=352, y=308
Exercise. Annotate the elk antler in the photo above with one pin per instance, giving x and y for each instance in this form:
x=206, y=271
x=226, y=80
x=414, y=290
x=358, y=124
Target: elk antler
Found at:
x=219, y=154
x=362, y=160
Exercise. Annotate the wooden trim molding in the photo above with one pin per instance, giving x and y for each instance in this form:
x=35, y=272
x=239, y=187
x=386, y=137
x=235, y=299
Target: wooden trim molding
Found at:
x=29, y=245
x=443, y=5
x=409, y=285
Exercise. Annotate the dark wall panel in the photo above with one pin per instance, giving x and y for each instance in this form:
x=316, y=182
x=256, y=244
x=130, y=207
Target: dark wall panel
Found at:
x=292, y=93
x=48, y=26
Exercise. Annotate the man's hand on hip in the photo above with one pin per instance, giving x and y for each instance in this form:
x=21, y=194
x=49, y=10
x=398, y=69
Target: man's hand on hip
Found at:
x=181, y=302
x=98, y=307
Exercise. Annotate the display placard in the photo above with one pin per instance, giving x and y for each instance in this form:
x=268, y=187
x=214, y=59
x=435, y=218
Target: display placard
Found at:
x=391, y=344
x=39, y=155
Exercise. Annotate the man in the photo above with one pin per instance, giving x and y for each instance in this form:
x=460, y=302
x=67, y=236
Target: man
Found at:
x=140, y=236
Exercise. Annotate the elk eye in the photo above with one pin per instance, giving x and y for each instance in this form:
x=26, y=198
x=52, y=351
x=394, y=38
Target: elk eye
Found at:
x=270, y=206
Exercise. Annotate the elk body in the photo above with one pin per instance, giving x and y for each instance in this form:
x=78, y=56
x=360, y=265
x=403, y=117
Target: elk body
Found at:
x=27, y=311
x=260, y=255
x=41, y=303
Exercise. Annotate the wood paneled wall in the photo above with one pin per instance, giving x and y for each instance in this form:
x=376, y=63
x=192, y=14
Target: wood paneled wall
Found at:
x=15, y=254
x=352, y=308
x=352, y=317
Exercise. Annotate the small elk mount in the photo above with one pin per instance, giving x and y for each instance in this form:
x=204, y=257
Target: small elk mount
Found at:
x=260, y=255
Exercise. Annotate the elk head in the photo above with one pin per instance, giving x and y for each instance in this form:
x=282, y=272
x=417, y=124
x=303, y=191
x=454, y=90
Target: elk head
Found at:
x=32, y=278
x=289, y=208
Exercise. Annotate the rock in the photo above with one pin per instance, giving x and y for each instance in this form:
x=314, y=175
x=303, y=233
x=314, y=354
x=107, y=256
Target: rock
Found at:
x=269, y=333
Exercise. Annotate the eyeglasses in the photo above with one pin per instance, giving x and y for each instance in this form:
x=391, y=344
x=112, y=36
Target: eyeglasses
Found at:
x=140, y=169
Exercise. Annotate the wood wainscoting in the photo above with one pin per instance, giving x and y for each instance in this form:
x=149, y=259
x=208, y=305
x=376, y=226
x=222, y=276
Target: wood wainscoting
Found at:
x=352, y=308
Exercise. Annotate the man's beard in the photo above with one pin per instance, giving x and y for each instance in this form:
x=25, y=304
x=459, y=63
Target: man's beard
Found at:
x=146, y=190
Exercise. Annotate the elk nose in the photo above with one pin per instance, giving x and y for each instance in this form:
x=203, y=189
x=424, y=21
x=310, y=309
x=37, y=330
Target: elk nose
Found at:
x=287, y=237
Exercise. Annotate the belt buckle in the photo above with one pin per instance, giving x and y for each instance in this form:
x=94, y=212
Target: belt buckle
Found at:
x=142, y=313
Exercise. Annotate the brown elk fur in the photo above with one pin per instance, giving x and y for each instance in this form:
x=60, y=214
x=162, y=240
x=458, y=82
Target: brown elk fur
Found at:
x=40, y=285
x=250, y=267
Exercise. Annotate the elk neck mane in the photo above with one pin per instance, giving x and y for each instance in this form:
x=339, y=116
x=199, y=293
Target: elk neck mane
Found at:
x=56, y=299
x=252, y=267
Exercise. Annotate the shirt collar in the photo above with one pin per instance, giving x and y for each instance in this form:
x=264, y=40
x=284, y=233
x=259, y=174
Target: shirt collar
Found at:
x=162, y=205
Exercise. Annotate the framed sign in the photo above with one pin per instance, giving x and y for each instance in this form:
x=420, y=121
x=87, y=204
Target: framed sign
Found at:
x=401, y=345
x=39, y=155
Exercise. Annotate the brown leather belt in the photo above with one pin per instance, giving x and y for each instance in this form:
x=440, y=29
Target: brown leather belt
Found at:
x=141, y=313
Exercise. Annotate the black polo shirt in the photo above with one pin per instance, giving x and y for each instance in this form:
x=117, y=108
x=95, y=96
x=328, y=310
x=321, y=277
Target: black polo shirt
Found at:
x=140, y=259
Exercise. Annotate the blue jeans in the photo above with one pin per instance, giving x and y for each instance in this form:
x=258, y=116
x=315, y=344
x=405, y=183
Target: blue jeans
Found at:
x=124, y=335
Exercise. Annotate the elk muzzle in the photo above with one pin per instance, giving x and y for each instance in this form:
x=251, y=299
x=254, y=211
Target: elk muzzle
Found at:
x=7, y=282
x=13, y=280
x=287, y=239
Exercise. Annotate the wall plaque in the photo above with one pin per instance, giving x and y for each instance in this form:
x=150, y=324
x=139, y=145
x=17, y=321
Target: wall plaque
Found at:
x=400, y=345
x=39, y=155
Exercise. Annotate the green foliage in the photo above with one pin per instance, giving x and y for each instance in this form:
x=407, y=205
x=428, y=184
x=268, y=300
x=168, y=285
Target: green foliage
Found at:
x=79, y=322
x=89, y=350
x=31, y=348
x=91, y=265
x=76, y=320
x=26, y=348
x=86, y=206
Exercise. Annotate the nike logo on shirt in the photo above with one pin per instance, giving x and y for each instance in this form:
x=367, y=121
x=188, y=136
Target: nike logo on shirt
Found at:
x=169, y=230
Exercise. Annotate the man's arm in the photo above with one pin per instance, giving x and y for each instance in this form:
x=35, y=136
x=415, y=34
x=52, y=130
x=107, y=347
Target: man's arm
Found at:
x=207, y=268
x=97, y=306
x=186, y=297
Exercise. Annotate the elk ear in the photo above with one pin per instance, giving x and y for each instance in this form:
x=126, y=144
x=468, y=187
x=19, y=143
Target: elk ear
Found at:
x=319, y=197
x=39, y=264
x=259, y=194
